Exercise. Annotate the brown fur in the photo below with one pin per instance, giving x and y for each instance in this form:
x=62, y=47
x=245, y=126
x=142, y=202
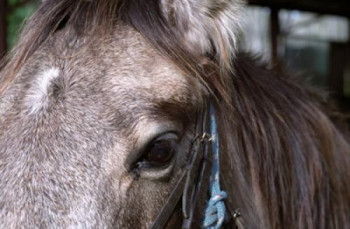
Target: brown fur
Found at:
x=284, y=163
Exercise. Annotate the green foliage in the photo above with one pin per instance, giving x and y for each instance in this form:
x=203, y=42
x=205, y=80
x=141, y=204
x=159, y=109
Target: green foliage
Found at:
x=17, y=17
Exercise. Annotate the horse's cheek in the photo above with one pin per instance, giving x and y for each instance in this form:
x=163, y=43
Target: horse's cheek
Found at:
x=140, y=203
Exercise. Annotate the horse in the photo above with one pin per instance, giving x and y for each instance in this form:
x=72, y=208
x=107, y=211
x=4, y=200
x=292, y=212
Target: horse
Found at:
x=102, y=103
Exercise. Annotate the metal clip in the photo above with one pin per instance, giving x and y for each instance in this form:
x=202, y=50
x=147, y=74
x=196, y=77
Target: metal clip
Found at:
x=237, y=213
x=206, y=137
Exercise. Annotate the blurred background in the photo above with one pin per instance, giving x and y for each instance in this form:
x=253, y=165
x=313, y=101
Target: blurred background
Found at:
x=310, y=37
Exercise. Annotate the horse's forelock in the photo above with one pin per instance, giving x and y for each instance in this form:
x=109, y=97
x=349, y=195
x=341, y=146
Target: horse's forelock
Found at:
x=211, y=31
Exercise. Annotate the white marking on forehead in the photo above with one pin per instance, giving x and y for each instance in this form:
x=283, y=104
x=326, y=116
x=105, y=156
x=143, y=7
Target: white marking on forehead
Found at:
x=37, y=95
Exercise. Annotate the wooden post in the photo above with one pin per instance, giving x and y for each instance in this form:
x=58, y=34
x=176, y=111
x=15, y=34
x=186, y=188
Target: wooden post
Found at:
x=3, y=28
x=274, y=33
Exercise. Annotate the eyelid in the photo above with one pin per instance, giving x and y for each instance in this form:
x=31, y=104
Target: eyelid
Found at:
x=158, y=174
x=166, y=136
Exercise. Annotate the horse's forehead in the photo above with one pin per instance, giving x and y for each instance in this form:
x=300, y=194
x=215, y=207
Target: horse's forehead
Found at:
x=124, y=66
x=134, y=65
x=129, y=63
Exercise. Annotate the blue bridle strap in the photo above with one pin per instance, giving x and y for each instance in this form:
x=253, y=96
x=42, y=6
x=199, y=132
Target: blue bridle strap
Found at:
x=215, y=211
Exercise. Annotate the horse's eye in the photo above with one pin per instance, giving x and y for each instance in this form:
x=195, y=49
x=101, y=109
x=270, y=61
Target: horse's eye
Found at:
x=159, y=152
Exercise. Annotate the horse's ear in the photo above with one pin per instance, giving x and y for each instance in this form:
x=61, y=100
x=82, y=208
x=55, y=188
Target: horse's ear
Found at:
x=206, y=26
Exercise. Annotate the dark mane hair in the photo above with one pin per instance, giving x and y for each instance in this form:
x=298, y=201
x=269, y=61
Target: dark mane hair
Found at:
x=297, y=161
x=290, y=166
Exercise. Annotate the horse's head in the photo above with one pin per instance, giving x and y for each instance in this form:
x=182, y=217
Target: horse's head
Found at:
x=95, y=125
x=102, y=101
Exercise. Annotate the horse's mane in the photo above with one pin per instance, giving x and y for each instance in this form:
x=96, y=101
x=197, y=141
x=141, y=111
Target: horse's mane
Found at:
x=297, y=162
x=290, y=166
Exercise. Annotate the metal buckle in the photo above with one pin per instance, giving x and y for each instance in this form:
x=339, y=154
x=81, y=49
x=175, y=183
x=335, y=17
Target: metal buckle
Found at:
x=236, y=214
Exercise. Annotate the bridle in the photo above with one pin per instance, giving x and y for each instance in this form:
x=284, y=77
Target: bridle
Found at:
x=204, y=148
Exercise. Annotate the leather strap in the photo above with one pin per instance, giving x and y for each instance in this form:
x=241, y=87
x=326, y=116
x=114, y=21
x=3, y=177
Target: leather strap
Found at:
x=169, y=207
x=196, y=175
